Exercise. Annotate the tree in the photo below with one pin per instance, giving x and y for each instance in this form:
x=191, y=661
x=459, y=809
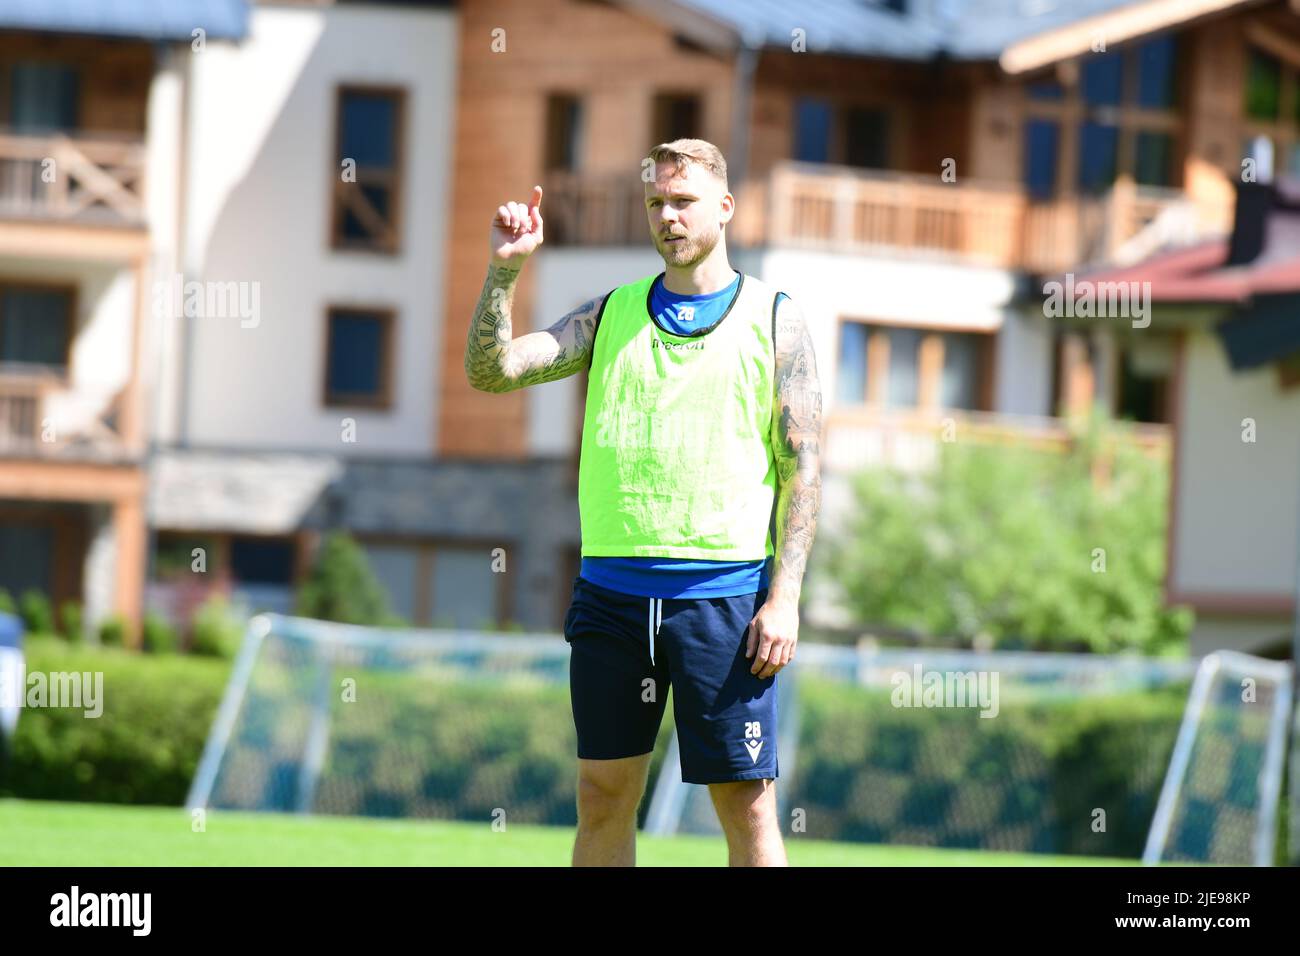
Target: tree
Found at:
x=341, y=586
x=1015, y=546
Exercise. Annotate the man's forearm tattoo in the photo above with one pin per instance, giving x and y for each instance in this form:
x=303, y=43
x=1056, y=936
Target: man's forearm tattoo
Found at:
x=490, y=331
x=797, y=450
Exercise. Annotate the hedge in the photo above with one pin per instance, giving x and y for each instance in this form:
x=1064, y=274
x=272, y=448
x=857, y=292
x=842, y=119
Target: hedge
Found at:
x=143, y=748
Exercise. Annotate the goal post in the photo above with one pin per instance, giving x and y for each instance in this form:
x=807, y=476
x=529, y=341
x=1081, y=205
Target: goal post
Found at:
x=1220, y=798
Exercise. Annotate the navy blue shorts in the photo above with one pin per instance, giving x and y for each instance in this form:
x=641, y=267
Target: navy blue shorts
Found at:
x=628, y=650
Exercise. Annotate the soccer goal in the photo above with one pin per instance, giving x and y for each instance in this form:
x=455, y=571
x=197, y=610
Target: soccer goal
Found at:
x=1180, y=760
x=1003, y=751
x=1219, y=803
x=338, y=719
x=1115, y=756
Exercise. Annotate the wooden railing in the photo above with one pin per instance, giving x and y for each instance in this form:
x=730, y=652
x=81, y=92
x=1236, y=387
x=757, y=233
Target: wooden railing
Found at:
x=72, y=178
x=595, y=210
x=989, y=223
x=25, y=425
x=841, y=209
x=866, y=436
x=22, y=399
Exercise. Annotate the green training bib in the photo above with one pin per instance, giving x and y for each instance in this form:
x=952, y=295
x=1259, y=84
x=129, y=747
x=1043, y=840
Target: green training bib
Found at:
x=676, y=456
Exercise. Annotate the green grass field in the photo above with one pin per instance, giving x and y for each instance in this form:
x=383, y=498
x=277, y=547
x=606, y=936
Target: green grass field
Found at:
x=77, y=834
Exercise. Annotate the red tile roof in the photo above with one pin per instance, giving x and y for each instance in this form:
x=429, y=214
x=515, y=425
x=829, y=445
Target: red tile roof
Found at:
x=1196, y=274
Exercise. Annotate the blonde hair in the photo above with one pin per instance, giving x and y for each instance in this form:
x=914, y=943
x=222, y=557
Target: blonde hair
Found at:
x=701, y=152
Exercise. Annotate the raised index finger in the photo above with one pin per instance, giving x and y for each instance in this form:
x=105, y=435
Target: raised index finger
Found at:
x=536, y=201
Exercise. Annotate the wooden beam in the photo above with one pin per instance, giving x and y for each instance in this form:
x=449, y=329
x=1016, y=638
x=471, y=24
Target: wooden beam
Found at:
x=930, y=372
x=67, y=242
x=1270, y=41
x=129, y=561
x=130, y=424
x=68, y=481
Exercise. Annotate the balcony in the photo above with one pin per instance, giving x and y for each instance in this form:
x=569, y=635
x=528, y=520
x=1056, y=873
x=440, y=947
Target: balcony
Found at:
x=72, y=178
x=41, y=416
x=840, y=209
x=909, y=439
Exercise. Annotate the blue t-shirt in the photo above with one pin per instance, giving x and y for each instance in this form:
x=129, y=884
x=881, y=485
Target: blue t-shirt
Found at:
x=681, y=577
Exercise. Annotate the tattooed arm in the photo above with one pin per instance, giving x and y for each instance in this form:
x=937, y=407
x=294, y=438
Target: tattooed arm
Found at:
x=497, y=362
x=796, y=443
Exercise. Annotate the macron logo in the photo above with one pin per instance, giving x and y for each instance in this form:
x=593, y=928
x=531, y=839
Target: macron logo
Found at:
x=753, y=739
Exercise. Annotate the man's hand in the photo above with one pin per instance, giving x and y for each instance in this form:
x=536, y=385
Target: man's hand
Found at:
x=774, y=632
x=517, y=231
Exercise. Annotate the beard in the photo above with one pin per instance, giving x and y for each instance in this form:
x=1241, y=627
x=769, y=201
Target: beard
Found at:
x=690, y=250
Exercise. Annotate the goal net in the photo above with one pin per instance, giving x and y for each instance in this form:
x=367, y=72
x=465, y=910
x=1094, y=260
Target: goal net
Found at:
x=1054, y=753
x=338, y=719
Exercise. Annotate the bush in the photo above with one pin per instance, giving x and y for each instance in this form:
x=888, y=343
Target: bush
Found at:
x=1013, y=547
x=341, y=586
x=7, y=605
x=112, y=631
x=158, y=636
x=145, y=746
x=217, y=630
x=37, y=615
x=70, y=616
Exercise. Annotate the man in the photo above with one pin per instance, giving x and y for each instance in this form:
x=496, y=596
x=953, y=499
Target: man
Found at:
x=700, y=452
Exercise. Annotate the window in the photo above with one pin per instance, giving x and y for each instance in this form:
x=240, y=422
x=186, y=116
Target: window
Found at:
x=812, y=130
x=1098, y=156
x=851, y=379
x=439, y=584
x=1157, y=68
x=1102, y=79
x=676, y=116
x=35, y=325
x=260, y=560
x=866, y=138
x=246, y=558
x=828, y=132
x=43, y=97
x=1272, y=114
x=1155, y=154
x=396, y=568
x=1141, y=392
x=1120, y=119
x=368, y=134
x=951, y=368
x=1045, y=90
x=26, y=557
x=1263, y=86
x=358, y=357
x=464, y=587
x=1041, y=147
x=902, y=389
x=563, y=133
x=173, y=554
x=260, y=570
x=959, y=386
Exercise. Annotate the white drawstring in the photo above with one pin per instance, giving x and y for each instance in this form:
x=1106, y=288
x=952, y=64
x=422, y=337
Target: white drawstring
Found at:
x=656, y=612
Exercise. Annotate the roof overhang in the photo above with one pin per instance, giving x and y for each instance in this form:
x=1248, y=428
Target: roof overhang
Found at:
x=695, y=25
x=157, y=20
x=1115, y=26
